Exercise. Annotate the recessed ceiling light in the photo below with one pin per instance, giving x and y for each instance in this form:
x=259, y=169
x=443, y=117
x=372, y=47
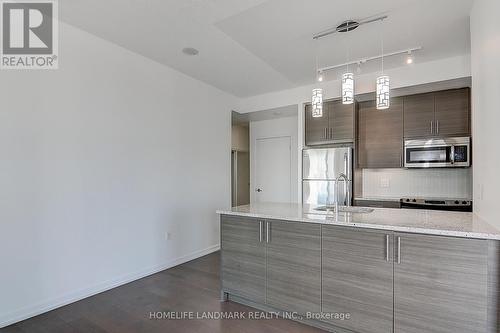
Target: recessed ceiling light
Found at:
x=409, y=59
x=190, y=51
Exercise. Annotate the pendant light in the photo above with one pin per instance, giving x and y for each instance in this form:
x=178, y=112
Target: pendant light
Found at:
x=347, y=88
x=347, y=92
x=383, y=83
x=317, y=103
x=317, y=94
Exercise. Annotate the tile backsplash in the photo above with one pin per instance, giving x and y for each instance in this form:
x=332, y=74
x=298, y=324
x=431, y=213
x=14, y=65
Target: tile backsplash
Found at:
x=439, y=183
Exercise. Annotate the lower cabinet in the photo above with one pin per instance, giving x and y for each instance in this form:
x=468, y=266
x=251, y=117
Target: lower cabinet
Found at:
x=358, y=278
x=294, y=267
x=243, y=258
x=385, y=281
x=273, y=263
x=440, y=284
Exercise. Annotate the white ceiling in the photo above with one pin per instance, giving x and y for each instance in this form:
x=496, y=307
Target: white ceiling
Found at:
x=249, y=47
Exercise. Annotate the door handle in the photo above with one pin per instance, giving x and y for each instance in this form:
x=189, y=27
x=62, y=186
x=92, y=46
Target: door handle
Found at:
x=399, y=250
x=432, y=127
x=331, y=133
x=326, y=133
x=261, y=228
x=268, y=231
x=387, y=247
x=437, y=126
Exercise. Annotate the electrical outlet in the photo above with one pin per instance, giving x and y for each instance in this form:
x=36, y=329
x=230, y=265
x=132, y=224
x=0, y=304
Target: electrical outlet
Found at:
x=385, y=182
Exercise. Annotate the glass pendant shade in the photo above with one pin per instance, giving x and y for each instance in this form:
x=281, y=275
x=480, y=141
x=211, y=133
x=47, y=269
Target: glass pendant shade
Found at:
x=317, y=102
x=383, y=92
x=348, y=88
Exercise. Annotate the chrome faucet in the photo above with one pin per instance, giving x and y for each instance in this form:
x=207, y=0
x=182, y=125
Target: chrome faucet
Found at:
x=346, y=201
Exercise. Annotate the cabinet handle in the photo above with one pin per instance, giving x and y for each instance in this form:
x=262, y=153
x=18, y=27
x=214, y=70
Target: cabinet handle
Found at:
x=326, y=133
x=399, y=250
x=331, y=133
x=387, y=247
x=261, y=227
x=437, y=126
x=267, y=232
x=432, y=127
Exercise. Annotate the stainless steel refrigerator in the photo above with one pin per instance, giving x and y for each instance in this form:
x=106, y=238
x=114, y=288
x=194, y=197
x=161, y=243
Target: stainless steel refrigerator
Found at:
x=320, y=168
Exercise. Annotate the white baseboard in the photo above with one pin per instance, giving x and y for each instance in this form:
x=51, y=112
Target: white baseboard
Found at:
x=54, y=303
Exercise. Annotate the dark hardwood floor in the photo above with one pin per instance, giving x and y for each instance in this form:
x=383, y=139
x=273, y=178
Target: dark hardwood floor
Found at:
x=193, y=286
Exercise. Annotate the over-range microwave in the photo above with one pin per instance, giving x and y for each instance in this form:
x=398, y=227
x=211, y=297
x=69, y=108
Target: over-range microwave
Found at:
x=437, y=153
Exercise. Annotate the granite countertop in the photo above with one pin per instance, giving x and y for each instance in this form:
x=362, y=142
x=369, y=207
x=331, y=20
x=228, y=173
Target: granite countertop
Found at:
x=457, y=224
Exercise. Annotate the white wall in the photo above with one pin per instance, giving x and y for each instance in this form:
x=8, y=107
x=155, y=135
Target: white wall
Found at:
x=279, y=127
x=99, y=159
x=429, y=183
x=485, y=46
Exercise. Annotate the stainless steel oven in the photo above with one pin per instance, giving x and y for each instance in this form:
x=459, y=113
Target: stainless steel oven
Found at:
x=437, y=153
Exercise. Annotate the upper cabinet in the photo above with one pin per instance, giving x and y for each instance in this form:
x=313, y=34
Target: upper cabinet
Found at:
x=440, y=114
x=335, y=126
x=380, y=135
x=341, y=121
x=316, y=128
x=418, y=115
x=453, y=112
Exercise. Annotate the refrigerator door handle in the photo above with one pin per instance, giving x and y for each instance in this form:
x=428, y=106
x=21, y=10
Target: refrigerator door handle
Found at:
x=345, y=164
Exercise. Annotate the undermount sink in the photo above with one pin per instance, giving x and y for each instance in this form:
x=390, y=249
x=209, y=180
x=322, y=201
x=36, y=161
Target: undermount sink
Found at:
x=345, y=209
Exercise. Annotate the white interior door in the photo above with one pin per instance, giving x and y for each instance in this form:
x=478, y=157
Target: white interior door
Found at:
x=273, y=169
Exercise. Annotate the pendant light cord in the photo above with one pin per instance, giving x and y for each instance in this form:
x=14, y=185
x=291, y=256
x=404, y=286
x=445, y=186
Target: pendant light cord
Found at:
x=317, y=62
x=382, y=42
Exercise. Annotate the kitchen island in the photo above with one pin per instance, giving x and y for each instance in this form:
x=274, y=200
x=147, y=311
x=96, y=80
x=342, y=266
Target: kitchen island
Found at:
x=389, y=270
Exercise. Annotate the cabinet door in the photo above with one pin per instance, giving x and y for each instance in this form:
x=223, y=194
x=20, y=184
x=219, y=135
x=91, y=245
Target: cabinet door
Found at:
x=357, y=278
x=419, y=116
x=380, y=135
x=294, y=266
x=316, y=128
x=243, y=258
x=440, y=284
x=453, y=112
x=341, y=121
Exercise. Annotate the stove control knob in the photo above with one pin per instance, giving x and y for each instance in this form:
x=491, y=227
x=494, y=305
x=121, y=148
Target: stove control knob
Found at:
x=464, y=202
x=457, y=202
x=407, y=200
x=414, y=200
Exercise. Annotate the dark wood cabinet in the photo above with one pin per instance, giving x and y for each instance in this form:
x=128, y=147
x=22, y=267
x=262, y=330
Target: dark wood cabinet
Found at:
x=376, y=203
x=335, y=126
x=438, y=114
x=418, y=115
x=380, y=135
x=316, y=128
x=341, y=121
x=452, y=112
